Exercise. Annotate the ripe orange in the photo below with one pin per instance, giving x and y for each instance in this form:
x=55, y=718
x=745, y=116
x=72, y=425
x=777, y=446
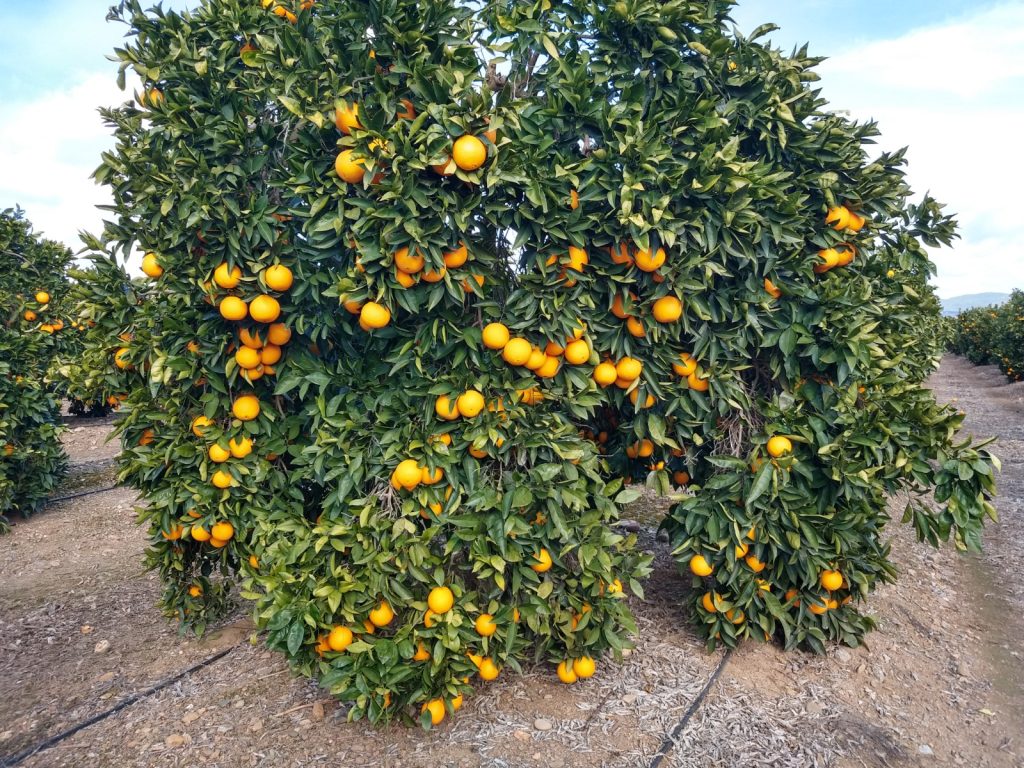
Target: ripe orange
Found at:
x=195, y=591
x=754, y=564
x=680, y=477
x=374, y=315
x=174, y=534
x=817, y=608
x=831, y=580
x=846, y=253
x=667, y=309
x=233, y=308
x=382, y=615
x=484, y=625
x=566, y=673
x=217, y=454
x=223, y=531
x=700, y=566
x=278, y=277
x=517, y=351
x=696, y=383
x=605, y=374
x=279, y=334
x=240, y=447
x=741, y=550
x=488, y=669
x=440, y=600
x=226, y=278
x=410, y=263
x=199, y=533
x=629, y=369
x=121, y=358
x=711, y=602
x=455, y=259
x=446, y=409
x=339, y=638
x=583, y=667
x=470, y=403
x=265, y=309
x=270, y=354
x=838, y=218
x=42, y=297
x=495, y=336
x=779, y=446
x=773, y=290
x=254, y=561
x=246, y=407
x=431, y=479
x=422, y=654
x=577, y=352
x=407, y=474
x=431, y=276
x=436, y=709
x=349, y=168
x=404, y=279
x=648, y=262
x=735, y=615
x=856, y=222
x=346, y=117
x=150, y=265
x=634, y=396
x=621, y=254
x=469, y=152
x=247, y=357
x=574, y=198
x=30, y=316
x=686, y=366
x=250, y=338
x=549, y=368
x=543, y=562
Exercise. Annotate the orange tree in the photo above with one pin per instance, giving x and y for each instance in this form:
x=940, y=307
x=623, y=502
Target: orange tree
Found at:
x=429, y=284
x=993, y=335
x=32, y=288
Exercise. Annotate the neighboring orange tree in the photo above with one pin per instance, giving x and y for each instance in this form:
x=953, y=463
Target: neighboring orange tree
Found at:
x=33, y=285
x=429, y=284
x=993, y=335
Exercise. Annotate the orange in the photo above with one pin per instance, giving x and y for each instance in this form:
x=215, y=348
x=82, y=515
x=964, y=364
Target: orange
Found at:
x=817, y=608
x=711, y=602
x=223, y=531
x=265, y=309
x=440, y=600
x=779, y=446
x=270, y=354
x=495, y=336
x=278, y=277
x=233, y=308
x=574, y=198
x=431, y=479
x=577, y=352
x=422, y=654
x=246, y=407
x=686, y=366
x=30, y=316
x=773, y=290
x=195, y=590
x=346, y=117
x=583, y=667
x=408, y=111
x=741, y=550
x=543, y=561
x=240, y=447
x=735, y=615
x=467, y=286
x=250, y=338
x=151, y=266
x=199, y=425
x=634, y=396
x=648, y=262
x=42, y=297
x=577, y=258
x=469, y=152
x=831, y=580
x=408, y=474
x=621, y=255
x=754, y=564
x=566, y=674
x=605, y=374
x=374, y=315
x=410, y=263
x=446, y=409
x=340, y=638
x=227, y=278
x=456, y=258
x=174, y=534
x=247, y=357
x=254, y=561
x=700, y=566
x=470, y=403
x=829, y=258
x=667, y=309
x=838, y=217
x=121, y=358
x=549, y=368
x=403, y=279
x=856, y=222
x=349, y=168
x=436, y=709
x=488, y=669
x=279, y=334
x=382, y=615
x=696, y=383
x=199, y=533
x=217, y=454
x=484, y=625
x=430, y=276
x=537, y=359
x=846, y=253
x=517, y=351
x=629, y=369
x=617, y=307
x=680, y=477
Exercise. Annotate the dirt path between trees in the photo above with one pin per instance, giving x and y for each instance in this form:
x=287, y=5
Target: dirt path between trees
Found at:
x=940, y=683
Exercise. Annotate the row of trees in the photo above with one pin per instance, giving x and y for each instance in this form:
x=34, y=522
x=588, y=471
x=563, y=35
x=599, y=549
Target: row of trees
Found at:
x=993, y=335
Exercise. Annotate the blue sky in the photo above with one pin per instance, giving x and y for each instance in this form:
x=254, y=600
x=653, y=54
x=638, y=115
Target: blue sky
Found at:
x=945, y=77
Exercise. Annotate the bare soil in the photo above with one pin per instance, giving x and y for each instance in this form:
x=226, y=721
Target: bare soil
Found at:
x=940, y=683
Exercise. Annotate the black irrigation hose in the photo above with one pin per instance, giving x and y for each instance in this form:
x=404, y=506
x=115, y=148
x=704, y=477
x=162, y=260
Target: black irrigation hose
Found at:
x=10, y=762
x=81, y=493
x=670, y=740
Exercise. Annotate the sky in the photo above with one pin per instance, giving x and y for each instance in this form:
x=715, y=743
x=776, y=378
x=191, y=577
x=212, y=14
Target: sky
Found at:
x=944, y=77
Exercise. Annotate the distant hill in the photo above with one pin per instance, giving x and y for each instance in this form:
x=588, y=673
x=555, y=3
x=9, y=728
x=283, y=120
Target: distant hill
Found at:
x=956, y=304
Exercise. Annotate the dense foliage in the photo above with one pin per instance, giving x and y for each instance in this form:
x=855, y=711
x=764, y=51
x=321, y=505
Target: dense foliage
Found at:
x=429, y=283
x=33, y=285
x=993, y=335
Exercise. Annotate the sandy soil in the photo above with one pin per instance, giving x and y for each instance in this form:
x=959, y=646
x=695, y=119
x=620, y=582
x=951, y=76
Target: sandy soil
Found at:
x=940, y=683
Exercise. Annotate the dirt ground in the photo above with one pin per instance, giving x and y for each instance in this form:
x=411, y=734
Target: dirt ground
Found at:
x=940, y=683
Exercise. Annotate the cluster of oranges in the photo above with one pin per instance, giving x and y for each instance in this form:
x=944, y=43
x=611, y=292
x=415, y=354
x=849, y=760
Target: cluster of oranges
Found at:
x=841, y=219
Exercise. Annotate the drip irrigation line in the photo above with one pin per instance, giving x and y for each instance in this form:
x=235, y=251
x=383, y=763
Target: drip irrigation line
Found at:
x=670, y=740
x=80, y=494
x=10, y=762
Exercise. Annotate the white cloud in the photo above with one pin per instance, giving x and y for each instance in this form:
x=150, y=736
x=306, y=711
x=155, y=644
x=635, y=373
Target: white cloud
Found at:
x=955, y=95
x=48, y=149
